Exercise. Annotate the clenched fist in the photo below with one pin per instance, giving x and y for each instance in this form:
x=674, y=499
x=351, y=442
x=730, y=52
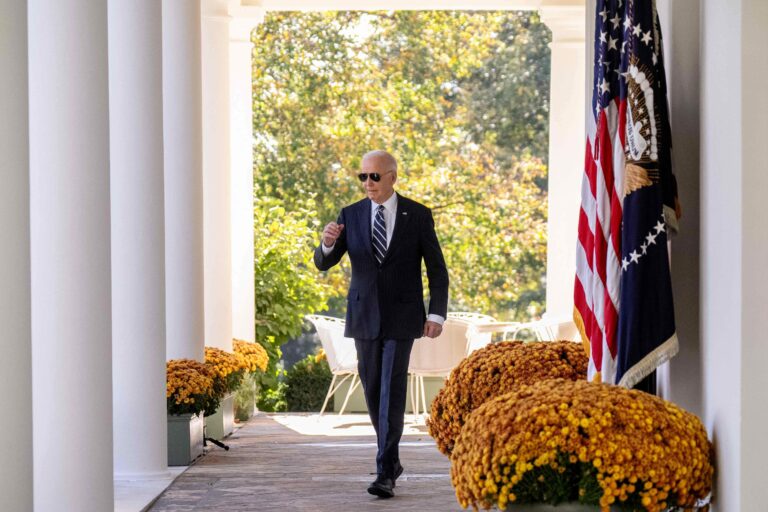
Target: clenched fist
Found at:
x=331, y=233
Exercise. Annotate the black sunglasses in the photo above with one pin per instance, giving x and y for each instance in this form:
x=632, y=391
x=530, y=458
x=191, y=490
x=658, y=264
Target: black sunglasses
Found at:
x=373, y=175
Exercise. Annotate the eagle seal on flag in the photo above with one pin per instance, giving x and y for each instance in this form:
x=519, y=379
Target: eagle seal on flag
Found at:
x=623, y=290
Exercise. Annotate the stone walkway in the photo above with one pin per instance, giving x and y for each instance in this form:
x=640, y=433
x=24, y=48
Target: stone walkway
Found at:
x=318, y=464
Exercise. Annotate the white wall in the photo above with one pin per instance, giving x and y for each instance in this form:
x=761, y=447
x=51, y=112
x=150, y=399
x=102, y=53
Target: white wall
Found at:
x=680, y=30
x=15, y=314
x=734, y=246
x=754, y=256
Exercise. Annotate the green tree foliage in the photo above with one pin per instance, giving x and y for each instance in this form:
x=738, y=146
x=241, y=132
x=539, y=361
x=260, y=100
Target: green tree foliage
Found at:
x=460, y=98
x=287, y=287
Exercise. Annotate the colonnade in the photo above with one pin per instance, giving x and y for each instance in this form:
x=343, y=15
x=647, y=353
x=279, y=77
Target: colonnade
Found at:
x=126, y=214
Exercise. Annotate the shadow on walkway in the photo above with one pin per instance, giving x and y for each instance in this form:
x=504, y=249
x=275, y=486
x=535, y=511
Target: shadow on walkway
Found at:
x=294, y=462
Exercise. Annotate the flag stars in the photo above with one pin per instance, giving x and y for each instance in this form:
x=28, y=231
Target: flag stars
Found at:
x=604, y=14
x=605, y=86
x=647, y=38
x=616, y=20
x=612, y=43
x=655, y=59
x=602, y=37
x=650, y=239
x=637, y=30
x=627, y=23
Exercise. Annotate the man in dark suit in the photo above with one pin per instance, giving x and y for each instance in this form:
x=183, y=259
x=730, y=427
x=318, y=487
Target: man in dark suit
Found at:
x=386, y=236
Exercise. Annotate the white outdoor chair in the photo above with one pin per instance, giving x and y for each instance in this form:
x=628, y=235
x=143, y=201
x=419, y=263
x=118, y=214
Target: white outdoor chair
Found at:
x=474, y=317
x=341, y=355
x=475, y=340
x=436, y=357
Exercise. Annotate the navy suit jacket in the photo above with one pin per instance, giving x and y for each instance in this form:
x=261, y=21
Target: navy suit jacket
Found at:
x=387, y=300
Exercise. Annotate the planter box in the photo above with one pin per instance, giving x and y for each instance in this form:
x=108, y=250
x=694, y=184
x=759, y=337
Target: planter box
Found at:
x=222, y=423
x=185, y=439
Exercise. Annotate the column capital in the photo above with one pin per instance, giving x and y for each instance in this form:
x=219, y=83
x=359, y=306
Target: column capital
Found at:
x=566, y=20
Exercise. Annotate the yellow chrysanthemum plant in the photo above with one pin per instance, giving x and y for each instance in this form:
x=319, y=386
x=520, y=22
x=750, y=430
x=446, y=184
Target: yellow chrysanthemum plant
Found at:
x=228, y=368
x=256, y=358
x=494, y=370
x=189, y=387
x=576, y=441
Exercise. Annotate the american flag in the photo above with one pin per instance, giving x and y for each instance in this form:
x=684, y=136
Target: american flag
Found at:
x=623, y=292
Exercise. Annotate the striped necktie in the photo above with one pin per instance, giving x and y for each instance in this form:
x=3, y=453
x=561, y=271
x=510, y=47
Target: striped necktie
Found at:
x=379, y=234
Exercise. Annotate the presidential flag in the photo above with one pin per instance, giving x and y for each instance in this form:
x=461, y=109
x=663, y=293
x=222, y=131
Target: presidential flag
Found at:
x=623, y=292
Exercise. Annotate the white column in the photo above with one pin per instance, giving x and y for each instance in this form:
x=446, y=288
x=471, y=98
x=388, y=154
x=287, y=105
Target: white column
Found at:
x=138, y=252
x=183, y=139
x=566, y=150
x=15, y=314
x=241, y=135
x=216, y=175
x=70, y=244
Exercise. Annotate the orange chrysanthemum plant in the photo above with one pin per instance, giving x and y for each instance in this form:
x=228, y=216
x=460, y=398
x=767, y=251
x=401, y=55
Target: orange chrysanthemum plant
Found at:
x=564, y=441
x=228, y=369
x=494, y=370
x=254, y=355
x=189, y=387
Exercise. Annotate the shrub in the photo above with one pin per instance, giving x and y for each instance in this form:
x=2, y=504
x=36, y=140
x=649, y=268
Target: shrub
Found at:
x=245, y=397
x=494, y=370
x=307, y=384
x=255, y=360
x=601, y=445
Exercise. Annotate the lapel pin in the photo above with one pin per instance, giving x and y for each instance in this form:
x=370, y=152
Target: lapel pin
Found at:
x=405, y=213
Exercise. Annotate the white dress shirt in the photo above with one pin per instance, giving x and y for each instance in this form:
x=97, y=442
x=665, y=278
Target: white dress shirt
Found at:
x=390, y=217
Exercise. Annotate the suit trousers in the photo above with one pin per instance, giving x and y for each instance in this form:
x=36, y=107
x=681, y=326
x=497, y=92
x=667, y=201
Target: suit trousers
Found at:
x=383, y=368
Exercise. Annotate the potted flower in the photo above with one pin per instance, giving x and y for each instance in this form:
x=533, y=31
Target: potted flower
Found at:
x=189, y=392
x=228, y=370
x=597, y=445
x=494, y=370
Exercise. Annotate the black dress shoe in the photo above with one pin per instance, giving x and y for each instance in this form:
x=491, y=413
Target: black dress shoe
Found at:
x=382, y=487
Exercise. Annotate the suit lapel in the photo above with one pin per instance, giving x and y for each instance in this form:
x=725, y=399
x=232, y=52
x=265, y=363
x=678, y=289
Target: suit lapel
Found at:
x=364, y=220
x=402, y=216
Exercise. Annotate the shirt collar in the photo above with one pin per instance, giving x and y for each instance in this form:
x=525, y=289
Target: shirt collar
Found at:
x=390, y=204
